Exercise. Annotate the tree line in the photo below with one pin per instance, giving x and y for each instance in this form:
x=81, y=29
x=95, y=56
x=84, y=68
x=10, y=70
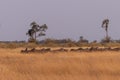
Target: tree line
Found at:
x=37, y=31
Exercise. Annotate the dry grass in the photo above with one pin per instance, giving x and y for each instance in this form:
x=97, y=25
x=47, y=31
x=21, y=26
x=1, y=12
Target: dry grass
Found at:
x=61, y=66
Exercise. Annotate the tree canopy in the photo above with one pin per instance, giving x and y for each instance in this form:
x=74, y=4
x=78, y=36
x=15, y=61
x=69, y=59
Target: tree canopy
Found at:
x=36, y=31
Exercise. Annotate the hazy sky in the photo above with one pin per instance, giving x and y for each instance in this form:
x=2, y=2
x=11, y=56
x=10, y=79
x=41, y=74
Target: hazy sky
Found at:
x=65, y=18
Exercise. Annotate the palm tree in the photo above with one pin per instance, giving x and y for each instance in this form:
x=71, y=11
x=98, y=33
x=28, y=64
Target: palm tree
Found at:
x=105, y=25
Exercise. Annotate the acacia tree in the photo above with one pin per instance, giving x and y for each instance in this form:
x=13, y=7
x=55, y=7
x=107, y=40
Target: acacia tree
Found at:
x=36, y=31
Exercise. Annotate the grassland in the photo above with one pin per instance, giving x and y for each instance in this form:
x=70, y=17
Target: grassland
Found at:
x=59, y=66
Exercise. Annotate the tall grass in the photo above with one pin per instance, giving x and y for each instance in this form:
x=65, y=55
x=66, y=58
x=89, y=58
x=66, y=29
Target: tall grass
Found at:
x=59, y=66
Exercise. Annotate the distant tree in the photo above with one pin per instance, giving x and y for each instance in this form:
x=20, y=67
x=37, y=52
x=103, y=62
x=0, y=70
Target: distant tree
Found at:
x=36, y=31
x=105, y=25
x=95, y=41
x=82, y=40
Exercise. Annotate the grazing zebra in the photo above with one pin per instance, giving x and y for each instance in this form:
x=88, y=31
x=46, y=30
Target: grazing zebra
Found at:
x=60, y=50
x=24, y=51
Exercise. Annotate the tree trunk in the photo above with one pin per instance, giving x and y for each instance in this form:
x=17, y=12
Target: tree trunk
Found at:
x=35, y=37
x=107, y=34
x=107, y=37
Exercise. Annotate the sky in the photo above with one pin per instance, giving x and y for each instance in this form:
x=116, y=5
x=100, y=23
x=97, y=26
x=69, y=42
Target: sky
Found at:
x=64, y=18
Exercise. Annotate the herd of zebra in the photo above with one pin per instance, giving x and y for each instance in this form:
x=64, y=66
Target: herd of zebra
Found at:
x=91, y=49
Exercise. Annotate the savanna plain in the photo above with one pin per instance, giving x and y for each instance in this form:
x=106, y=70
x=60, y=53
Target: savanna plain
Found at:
x=59, y=66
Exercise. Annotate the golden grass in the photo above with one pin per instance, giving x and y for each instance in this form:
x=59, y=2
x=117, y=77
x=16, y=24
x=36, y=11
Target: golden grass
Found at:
x=61, y=66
